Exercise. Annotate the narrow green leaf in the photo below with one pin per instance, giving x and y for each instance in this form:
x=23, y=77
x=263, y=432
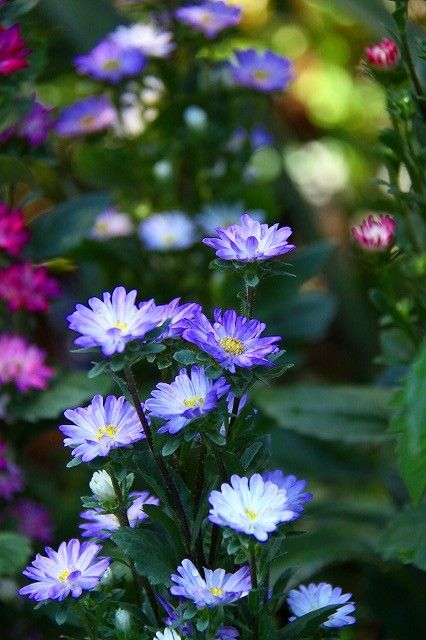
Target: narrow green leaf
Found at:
x=307, y=625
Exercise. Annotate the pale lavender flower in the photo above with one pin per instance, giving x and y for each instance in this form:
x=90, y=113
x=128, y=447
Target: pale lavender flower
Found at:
x=250, y=505
x=215, y=589
x=173, y=617
x=263, y=72
x=36, y=125
x=100, y=427
x=176, y=314
x=111, y=62
x=86, y=116
x=101, y=525
x=147, y=38
x=111, y=224
x=315, y=596
x=294, y=489
x=227, y=633
x=234, y=341
x=167, y=634
x=250, y=241
x=168, y=230
x=112, y=322
x=72, y=569
x=187, y=398
x=209, y=17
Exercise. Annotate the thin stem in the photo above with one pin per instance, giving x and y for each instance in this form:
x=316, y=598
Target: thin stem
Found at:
x=214, y=544
x=254, y=584
x=171, y=487
x=86, y=621
x=411, y=68
x=141, y=581
x=234, y=412
x=250, y=300
x=198, y=490
x=219, y=461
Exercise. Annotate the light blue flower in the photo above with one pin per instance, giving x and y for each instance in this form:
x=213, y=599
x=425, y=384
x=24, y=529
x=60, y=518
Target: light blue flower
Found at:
x=187, y=398
x=168, y=230
x=309, y=598
x=297, y=497
x=215, y=589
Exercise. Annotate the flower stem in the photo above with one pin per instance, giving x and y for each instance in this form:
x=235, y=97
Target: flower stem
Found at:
x=255, y=585
x=214, y=543
x=250, y=300
x=411, y=67
x=198, y=490
x=86, y=621
x=171, y=487
x=141, y=581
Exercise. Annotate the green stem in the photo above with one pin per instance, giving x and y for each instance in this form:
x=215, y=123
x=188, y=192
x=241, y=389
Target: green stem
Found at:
x=86, y=621
x=411, y=67
x=255, y=585
x=198, y=490
x=141, y=581
x=250, y=300
x=214, y=544
x=171, y=487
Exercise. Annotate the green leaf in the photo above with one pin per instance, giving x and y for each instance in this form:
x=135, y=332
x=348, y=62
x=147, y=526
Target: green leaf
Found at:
x=343, y=413
x=405, y=537
x=171, y=446
x=151, y=550
x=185, y=356
x=250, y=453
x=15, y=551
x=75, y=216
x=409, y=422
x=13, y=170
x=307, y=625
x=170, y=526
x=66, y=392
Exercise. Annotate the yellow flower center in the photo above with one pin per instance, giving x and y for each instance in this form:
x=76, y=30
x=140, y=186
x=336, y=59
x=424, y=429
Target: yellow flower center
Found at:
x=102, y=227
x=261, y=75
x=216, y=591
x=123, y=326
x=232, y=345
x=111, y=65
x=108, y=430
x=169, y=239
x=87, y=121
x=206, y=19
x=63, y=576
x=195, y=401
x=251, y=514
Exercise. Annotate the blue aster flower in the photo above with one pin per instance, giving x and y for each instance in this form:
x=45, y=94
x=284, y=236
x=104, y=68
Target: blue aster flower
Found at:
x=227, y=633
x=72, y=569
x=250, y=241
x=264, y=72
x=100, y=427
x=315, y=596
x=173, y=617
x=86, y=116
x=168, y=230
x=176, y=314
x=110, y=62
x=294, y=489
x=112, y=322
x=209, y=17
x=234, y=341
x=215, y=589
x=188, y=398
x=251, y=506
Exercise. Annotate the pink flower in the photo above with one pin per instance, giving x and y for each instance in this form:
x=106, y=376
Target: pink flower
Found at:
x=384, y=54
x=32, y=520
x=22, y=364
x=375, y=233
x=13, y=234
x=24, y=286
x=13, y=54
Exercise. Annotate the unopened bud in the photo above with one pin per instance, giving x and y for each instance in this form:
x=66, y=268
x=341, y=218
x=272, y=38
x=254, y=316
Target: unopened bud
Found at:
x=375, y=233
x=384, y=54
x=101, y=485
x=163, y=169
x=123, y=620
x=195, y=118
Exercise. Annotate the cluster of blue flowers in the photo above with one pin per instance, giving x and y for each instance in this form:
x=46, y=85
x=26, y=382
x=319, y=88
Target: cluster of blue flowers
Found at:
x=252, y=508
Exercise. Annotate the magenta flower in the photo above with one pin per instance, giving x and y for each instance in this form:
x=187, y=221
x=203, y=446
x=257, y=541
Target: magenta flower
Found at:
x=384, y=54
x=33, y=520
x=110, y=62
x=22, y=364
x=90, y=115
x=13, y=54
x=375, y=233
x=250, y=241
x=13, y=232
x=263, y=72
x=72, y=569
x=209, y=17
x=24, y=286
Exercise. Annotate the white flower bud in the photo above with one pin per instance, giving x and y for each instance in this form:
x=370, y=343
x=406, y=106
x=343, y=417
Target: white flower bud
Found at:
x=195, y=118
x=123, y=620
x=101, y=485
x=163, y=169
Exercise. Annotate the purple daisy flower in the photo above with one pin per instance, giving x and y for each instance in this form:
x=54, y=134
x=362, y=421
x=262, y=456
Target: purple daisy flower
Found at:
x=110, y=62
x=173, y=616
x=112, y=322
x=186, y=399
x=177, y=314
x=100, y=427
x=294, y=489
x=250, y=241
x=315, y=596
x=209, y=17
x=231, y=340
x=73, y=568
x=101, y=525
x=90, y=115
x=250, y=505
x=227, y=633
x=33, y=520
x=261, y=71
x=215, y=589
